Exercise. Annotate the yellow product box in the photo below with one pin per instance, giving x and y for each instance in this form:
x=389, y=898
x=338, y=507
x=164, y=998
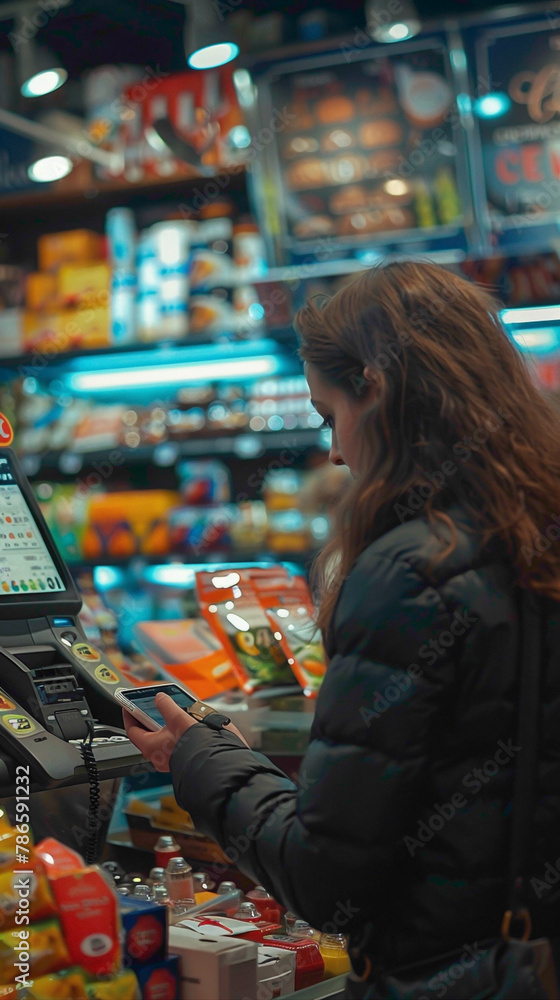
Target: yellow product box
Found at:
x=37, y=949
x=122, y=986
x=76, y=246
x=66, y=330
x=84, y=284
x=66, y=985
x=40, y=332
x=86, y=328
x=41, y=291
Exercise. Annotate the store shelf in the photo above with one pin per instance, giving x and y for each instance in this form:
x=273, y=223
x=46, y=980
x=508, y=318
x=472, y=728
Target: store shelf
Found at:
x=106, y=193
x=245, y=445
x=29, y=360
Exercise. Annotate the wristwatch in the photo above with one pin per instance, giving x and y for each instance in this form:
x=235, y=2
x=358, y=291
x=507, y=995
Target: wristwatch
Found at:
x=208, y=715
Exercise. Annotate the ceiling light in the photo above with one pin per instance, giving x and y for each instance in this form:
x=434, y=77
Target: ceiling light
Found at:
x=39, y=71
x=50, y=168
x=208, y=43
x=44, y=82
x=210, y=56
x=386, y=27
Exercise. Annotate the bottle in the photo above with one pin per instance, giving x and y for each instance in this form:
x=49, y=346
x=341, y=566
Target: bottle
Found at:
x=157, y=875
x=246, y=911
x=335, y=955
x=165, y=849
x=266, y=905
x=302, y=929
x=179, y=908
x=179, y=880
x=123, y=890
x=249, y=254
x=223, y=888
x=142, y=892
x=159, y=892
x=202, y=883
x=289, y=921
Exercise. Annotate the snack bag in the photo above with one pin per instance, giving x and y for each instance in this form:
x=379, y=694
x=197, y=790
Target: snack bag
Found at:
x=290, y=611
x=228, y=601
x=46, y=950
x=66, y=985
x=87, y=906
x=296, y=631
x=34, y=881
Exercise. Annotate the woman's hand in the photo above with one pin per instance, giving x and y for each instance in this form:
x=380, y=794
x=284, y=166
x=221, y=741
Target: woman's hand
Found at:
x=158, y=747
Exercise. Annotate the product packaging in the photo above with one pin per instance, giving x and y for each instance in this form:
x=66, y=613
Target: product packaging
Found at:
x=37, y=892
x=229, y=603
x=204, y=482
x=276, y=972
x=291, y=617
x=41, y=291
x=215, y=926
x=128, y=524
x=69, y=984
x=144, y=931
x=212, y=966
x=310, y=966
x=159, y=981
x=76, y=246
x=87, y=906
x=186, y=649
x=46, y=950
x=120, y=986
x=84, y=285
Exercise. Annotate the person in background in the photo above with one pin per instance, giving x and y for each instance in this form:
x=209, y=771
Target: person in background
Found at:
x=397, y=833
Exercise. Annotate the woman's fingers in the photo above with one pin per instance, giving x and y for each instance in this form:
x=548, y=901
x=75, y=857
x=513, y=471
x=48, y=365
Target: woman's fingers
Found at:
x=176, y=720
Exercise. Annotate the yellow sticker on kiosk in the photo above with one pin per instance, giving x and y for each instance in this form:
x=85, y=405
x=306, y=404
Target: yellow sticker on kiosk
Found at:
x=105, y=674
x=6, y=432
x=83, y=651
x=19, y=725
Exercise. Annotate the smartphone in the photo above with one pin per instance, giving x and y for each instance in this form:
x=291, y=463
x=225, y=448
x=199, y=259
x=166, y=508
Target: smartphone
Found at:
x=140, y=702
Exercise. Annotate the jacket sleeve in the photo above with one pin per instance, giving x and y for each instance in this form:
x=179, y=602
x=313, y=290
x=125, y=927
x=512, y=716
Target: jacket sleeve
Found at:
x=332, y=849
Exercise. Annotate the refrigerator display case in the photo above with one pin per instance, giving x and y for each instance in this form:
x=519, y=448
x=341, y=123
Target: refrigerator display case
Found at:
x=367, y=153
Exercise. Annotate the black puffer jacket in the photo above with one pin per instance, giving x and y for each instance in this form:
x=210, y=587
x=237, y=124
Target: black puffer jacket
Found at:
x=402, y=815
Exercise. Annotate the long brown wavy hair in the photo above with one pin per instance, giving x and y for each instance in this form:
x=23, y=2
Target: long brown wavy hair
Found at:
x=452, y=388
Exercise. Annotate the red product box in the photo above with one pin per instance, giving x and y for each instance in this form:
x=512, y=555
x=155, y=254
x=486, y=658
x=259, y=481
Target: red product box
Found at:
x=144, y=931
x=161, y=980
x=310, y=966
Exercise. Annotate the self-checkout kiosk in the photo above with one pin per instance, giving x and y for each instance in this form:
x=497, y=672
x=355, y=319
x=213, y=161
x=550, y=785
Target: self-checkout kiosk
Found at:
x=57, y=712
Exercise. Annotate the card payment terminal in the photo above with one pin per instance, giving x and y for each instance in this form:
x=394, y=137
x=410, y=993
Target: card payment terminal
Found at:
x=55, y=687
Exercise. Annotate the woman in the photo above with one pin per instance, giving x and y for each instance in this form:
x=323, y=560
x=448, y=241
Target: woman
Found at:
x=398, y=832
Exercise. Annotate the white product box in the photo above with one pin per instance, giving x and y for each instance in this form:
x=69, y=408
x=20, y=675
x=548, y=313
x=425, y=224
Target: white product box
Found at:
x=224, y=967
x=276, y=972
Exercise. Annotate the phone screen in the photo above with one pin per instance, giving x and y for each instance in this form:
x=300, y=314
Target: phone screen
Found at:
x=144, y=698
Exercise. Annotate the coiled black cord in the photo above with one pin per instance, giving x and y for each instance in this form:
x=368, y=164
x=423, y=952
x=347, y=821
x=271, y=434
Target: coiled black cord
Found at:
x=90, y=764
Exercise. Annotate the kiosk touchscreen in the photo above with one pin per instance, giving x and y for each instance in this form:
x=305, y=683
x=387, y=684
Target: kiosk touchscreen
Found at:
x=56, y=688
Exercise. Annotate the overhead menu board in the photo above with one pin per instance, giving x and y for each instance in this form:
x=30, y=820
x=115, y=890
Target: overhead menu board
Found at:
x=520, y=137
x=368, y=148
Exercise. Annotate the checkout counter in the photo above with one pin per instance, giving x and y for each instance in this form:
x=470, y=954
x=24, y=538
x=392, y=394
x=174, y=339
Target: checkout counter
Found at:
x=58, y=717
